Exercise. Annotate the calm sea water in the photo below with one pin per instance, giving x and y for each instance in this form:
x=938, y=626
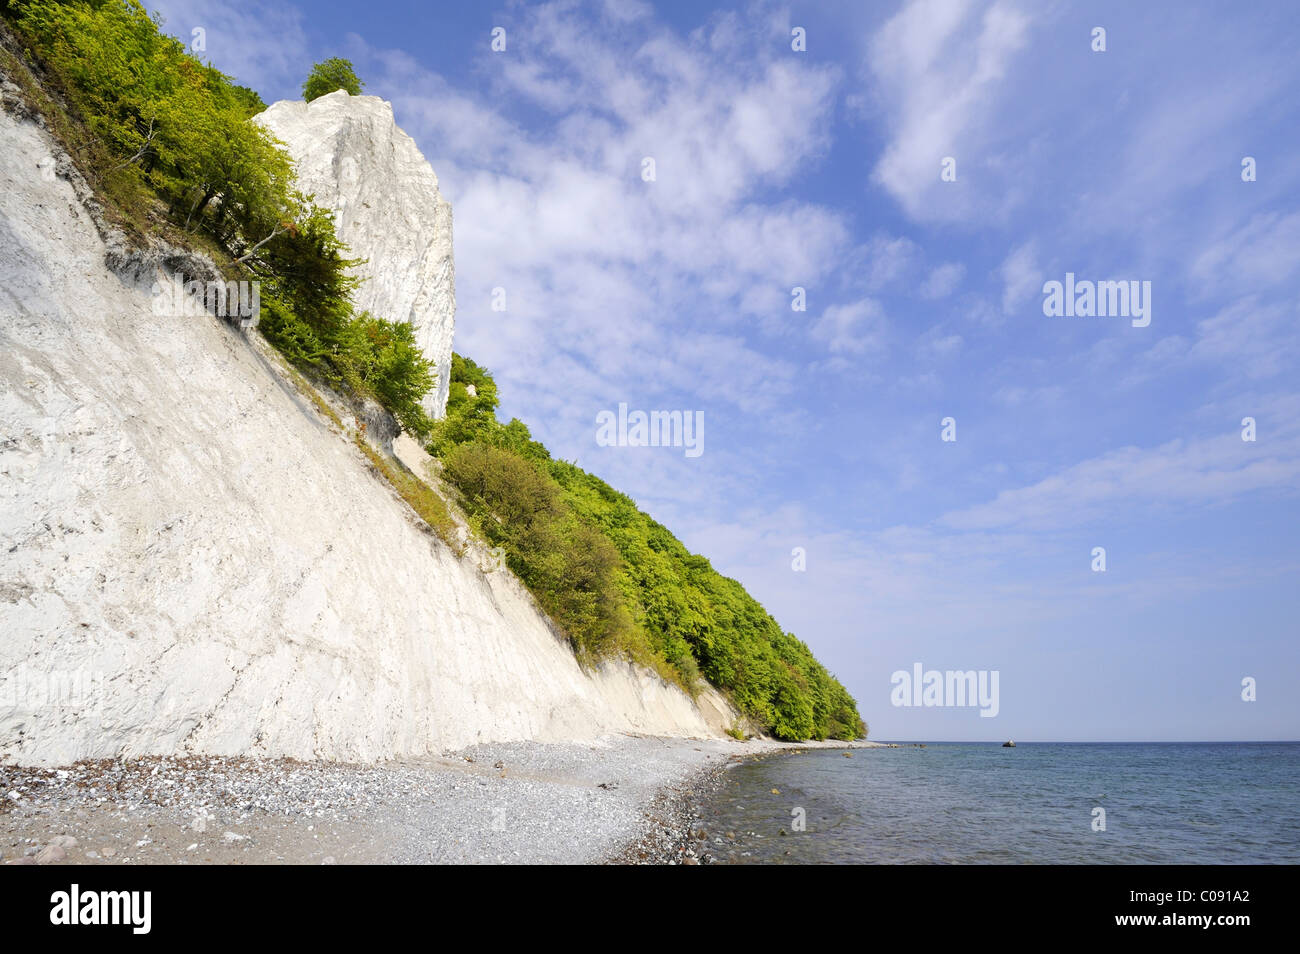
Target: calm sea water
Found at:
x=967, y=803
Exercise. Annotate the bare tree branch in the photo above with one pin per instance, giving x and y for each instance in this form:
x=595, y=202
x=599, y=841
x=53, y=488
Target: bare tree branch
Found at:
x=280, y=227
x=148, y=141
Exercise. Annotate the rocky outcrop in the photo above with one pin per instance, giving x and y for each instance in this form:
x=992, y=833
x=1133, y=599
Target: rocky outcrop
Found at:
x=192, y=559
x=352, y=156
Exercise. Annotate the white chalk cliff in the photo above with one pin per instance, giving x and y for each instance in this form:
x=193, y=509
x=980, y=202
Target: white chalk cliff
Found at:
x=350, y=153
x=194, y=559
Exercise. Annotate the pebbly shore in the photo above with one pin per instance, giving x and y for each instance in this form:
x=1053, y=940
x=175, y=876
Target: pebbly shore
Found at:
x=628, y=800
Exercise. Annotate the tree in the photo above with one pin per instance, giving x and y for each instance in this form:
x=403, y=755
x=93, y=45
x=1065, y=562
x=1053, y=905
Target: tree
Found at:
x=331, y=75
x=388, y=362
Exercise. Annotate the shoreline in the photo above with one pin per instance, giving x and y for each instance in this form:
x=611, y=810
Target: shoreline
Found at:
x=621, y=799
x=674, y=830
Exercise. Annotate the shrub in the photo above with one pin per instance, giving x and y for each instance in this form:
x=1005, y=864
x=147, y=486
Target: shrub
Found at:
x=568, y=565
x=505, y=487
x=330, y=75
x=387, y=362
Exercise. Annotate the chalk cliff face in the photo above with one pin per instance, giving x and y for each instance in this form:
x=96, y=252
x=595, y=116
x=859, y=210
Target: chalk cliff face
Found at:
x=354, y=158
x=192, y=559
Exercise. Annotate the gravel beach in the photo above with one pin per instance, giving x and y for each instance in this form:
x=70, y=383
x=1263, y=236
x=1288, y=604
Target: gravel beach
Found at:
x=624, y=799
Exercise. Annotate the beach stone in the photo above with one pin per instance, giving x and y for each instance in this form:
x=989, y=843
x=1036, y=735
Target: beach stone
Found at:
x=51, y=855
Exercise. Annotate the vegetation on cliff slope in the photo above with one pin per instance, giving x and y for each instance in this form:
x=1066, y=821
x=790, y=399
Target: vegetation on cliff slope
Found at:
x=617, y=580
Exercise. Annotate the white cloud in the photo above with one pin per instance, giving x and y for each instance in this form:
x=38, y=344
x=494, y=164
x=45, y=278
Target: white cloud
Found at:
x=1015, y=395
x=938, y=65
x=943, y=281
x=1250, y=338
x=1262, y=253
x=856, y=328
x=1021, y=277
x=884, y=260
x=936, y=345
x=1179, y=473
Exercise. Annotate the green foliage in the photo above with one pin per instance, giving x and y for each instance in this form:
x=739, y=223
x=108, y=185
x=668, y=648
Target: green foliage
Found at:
x=249, y=99
x=173, y=125
x=673, y=610
x=330, y=75
x=365, y=354
x=388, y=363
x=569, y=566
x=151, y=125
x=293, y=337
x=469, y=417
x=306, y=263
x=692, y=611
x=499, y=483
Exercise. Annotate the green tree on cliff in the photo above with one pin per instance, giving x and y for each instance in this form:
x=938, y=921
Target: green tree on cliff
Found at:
x=332, y=74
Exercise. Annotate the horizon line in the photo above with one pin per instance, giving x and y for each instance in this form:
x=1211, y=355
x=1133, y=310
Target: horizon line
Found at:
x=1092, y=741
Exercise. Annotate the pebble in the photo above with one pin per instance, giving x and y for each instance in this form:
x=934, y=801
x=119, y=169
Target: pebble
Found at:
x=51, y=855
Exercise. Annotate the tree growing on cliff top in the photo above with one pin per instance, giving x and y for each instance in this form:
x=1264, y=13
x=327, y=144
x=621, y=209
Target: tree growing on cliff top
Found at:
x=332, y=74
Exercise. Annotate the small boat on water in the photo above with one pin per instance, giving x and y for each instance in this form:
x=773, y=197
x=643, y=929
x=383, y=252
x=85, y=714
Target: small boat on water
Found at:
x=1008, y=744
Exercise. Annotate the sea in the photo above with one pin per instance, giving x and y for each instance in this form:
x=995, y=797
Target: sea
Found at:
x=1037, y=803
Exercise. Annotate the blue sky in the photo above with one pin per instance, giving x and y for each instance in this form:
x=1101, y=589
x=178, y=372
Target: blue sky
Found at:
x=821, y=169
